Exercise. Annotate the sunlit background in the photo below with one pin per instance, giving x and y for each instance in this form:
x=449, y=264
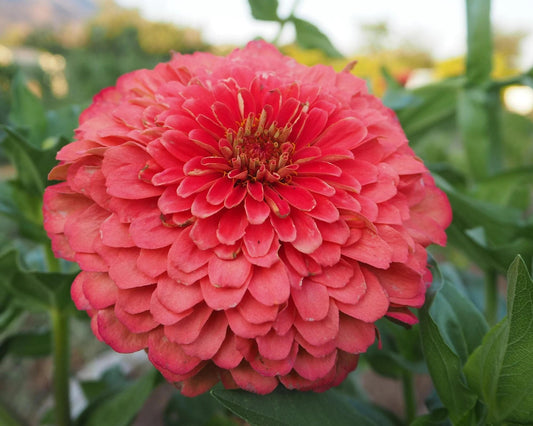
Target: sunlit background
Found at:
x=436, y=25
x=70, y=49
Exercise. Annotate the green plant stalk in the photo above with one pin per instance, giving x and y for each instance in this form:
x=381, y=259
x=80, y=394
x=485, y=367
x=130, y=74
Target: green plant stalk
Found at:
x=282, y=22
x=51, y=261
x=491, y=297
x=275, y=40
x=61, y=359
x=7, y=418
x=409, y=397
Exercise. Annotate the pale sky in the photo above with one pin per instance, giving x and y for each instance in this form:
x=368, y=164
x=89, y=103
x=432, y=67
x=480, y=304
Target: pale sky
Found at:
x=437, y=24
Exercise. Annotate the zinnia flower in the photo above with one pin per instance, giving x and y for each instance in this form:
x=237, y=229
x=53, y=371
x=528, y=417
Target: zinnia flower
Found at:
x=243, y=219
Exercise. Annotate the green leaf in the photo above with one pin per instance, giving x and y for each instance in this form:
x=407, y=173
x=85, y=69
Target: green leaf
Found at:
x=396, y=96
x=9, y=310
x=121, y=409
x=22, y=156
x=479, y=41
x=197, y=411
x=27, y=111
x=488, y=233
x=438, y=417
x=111, y=382
x=430, y=105
x=460, y=323
x=400, y=352
x=473, y=123
x=501, y=188
x=264, y=10
x=29, y=344
x=24, y=210
x=284, y=407
x=445, y=366
x=500, y=370
x=308, y=36
x=37, y=291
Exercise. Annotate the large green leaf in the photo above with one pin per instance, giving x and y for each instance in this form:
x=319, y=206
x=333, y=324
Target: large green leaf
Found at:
x=27, y=344
x=438, y=417
x=27, y=111
x=121, y=409
x=473, y=122
x=283, y=407
x=36, y=291
x=488, y=233
x=264, y=10
x=444, y=363
x=24, y=211
x=399, y=353
x=479, y=41
x=428, y=106
x=24, y=157
x=501, y=189
x=460, y=323
x=197, y=411
x=308, y=36
x=501, y=370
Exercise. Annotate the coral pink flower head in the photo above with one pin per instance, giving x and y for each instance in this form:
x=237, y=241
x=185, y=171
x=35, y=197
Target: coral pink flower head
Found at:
x=244, y=219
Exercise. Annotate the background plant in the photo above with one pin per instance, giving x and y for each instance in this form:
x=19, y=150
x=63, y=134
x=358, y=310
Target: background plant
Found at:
x=474, y=342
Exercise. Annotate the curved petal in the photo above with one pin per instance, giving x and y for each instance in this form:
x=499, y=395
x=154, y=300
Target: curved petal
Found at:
x=270, y=286
x=248, y=379
x=311, y=300
x=188, y=329
x=221, y=298
x=162, y=351
x=229, y=273
x=116, y=335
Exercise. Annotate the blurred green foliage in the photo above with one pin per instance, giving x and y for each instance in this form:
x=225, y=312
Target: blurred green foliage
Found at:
x=480, y=153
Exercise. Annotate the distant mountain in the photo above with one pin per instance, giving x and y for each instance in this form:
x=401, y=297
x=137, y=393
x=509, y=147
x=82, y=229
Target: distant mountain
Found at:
x=44, y=13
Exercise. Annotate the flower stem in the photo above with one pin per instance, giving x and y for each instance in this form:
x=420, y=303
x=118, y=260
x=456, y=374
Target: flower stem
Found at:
x=282, y=22
x=52, y=262
x=491, y=296
x=409, y=397
x=60, y=327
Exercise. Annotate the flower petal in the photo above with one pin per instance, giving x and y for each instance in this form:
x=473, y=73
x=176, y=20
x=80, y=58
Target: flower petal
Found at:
x=163, y=352
x=319, y=332
x=229, y=273
x=355, y=336
x=185, y=256
x=176, y=296
x=98, y=288
x=274, y=346
x=188, y=329
x=370, y=249
x=220, y=298
x=311, y=300
x=373, y=305
x=150, y=232
x=116, y=335
x=308, y=237
x=210, y=339
x=256, y=211
x=248, y=379
x=232, y=226
x=270, y=286
x=258, y=239
x=314, y=368
x=228, y=356
x=297, y=196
